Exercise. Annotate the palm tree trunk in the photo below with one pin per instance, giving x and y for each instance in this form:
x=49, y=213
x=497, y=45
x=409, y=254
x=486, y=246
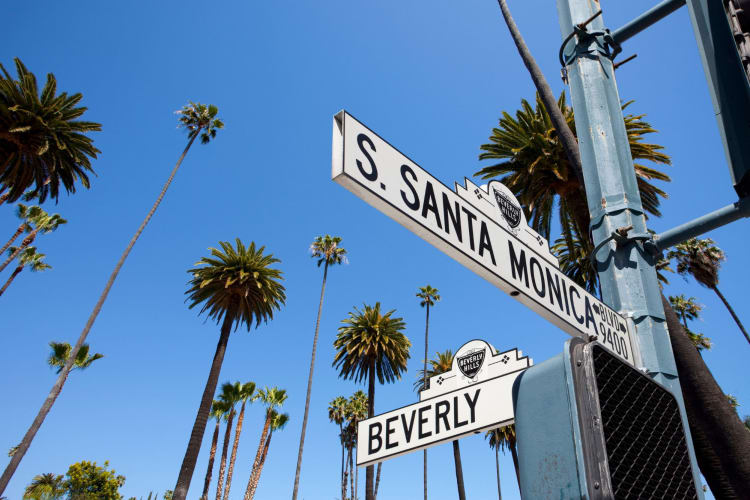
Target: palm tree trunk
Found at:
x=351, y=472
x=343, y=477
x=459, y=471
x=4, y=197
x=309, y=386
x=16, y=272
x=514, y=454
x=344, y=482
x=356, y=483
x=720, y=439
x=731, y=311
x=252, y=483
x=370, y=470
x=567, y=138
x=186, y=472
x=261, y=464
x=18, y=233
x=26, y=242
x=234, y=450
x=424, y=386
x=211, y=457
x=224, y=453
x=377, y=479
x=497, y=469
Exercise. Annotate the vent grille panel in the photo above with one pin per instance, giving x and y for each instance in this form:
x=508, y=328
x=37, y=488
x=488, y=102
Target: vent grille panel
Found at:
x=646, y=449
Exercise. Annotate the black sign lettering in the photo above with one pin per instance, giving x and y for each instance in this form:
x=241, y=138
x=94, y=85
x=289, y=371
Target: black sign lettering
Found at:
x=484, y=243
x=442, y=414
x=414, y=205
x=452, y=217
x=422, y=422
x=430, y=204
x=373, y=437
x=373, y=173
x=518, y=266
x=408, y=428
x=470, y=217
x=388, y=431
x=456, y=422
x=472, y=403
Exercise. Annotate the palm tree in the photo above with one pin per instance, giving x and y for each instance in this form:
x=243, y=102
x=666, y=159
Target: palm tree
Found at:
x=199, y=120
x=218, y=410
x=28, y=258
x=45, y=487
x=702, y=259
x=61, y=354
x=272, y=398
x=234, y=286
x=245, y=393
x=689, y=308
x=370, y=345
x=230, y=396
x=27, y=216
x=43, y=223
x=328, y=251
x=428, y=296
x=356, y=410
x=442, y=363
x=278, y=422
x=42, y=144
x=500, y=439
x=337, y=414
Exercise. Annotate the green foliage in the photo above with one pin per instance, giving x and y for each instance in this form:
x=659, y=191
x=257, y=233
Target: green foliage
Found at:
x=689, y=309
x=198, y=118
x=61, y=353
x=272, y=397
x=440, y=364
x=88, y=481
x=43, y=145
x=502, y=438
x=45, y=487
x=428, y=296
x=369, y=337
x=237, y=282
x=29, y=257
x=733, y=401
x=327, y=250
x=700, y=258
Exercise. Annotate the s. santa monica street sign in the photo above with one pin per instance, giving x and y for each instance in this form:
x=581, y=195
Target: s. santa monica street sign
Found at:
x=482, y=227
x=475, y=395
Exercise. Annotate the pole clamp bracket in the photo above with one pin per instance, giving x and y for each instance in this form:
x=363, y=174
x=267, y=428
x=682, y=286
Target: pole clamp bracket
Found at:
x=608, y=47
x=622, y=238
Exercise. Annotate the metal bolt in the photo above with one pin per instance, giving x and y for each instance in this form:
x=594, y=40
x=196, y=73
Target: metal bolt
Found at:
x=596, y=485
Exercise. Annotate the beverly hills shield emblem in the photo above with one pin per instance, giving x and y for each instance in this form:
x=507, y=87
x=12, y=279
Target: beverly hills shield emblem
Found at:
x=510, y=211
x=471, y=363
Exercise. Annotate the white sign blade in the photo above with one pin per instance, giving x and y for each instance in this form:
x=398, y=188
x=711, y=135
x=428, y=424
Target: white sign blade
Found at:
x=482, y=228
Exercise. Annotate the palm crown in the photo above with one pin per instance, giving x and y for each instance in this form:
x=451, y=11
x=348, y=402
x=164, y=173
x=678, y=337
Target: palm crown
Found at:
x=42, y=144
x=271, y=397
x=700, y=258
x=201, y=119
x=237, y=281
x=428, y=295
x=45, y=487
x=61, y=352
x=30, y=258
x=369, y=337
x=443, y=362
x=327, y=250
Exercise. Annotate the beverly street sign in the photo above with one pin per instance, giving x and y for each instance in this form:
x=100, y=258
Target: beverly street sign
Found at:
x=475, y=395
x=483, y=228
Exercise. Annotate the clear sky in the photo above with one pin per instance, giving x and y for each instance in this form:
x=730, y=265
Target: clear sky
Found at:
x=430, y=77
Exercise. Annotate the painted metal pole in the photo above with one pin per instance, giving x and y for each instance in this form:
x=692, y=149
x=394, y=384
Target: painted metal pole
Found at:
x=626, y=272
x=651, y=16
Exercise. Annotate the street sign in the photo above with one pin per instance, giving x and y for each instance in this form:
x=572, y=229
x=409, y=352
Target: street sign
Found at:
x=475, y=395
x=482, y=227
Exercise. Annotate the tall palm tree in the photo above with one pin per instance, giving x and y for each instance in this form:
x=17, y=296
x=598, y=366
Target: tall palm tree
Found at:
x=500, y=439
x=28, y=258
x=45, y=487
x=356, y=410
x=278, y=422
x=245, y=393
x=27, y=216
x=442, y=363
x=371, y=345
x=43, y=223
x=42, y=142
x=689, y=308
x=328, y=251
x=428, y=296
x=61, y=354
x=230, y=396
x=337, y=415
x=272, y=398
x=218, y=410
x=199, y=120
x=702, y=259
x=234, y=286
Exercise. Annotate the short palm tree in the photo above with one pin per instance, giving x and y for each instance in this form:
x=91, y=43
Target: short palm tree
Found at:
x=61, y=353
x=278, y=422
x=443, y=362
x=245, y=392
x=45, y=487
x=230, y=396
x=689, y=309
x=218, y=410
x=356, y=410
x=200, y=121
x=427, y=296
x=28, y=258
x=43, y=223
x=234, y=286
x=273, y=398
x=337, y=415
x=328, y=251
x=27, y=215
x=500, y=439
x=702, y=260
x=371, y=345
x=43, y=145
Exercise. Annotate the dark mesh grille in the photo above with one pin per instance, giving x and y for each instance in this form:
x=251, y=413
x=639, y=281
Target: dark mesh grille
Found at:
x=646, y=449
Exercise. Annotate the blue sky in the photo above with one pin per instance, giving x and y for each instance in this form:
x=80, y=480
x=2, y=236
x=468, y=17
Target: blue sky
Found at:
x=430, y=77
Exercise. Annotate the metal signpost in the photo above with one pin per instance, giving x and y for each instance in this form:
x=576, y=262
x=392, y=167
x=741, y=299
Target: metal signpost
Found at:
x=483, y=228
x=475, y=395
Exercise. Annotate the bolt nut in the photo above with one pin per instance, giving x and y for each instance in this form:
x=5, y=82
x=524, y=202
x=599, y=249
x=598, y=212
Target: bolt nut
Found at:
x=596, y=485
